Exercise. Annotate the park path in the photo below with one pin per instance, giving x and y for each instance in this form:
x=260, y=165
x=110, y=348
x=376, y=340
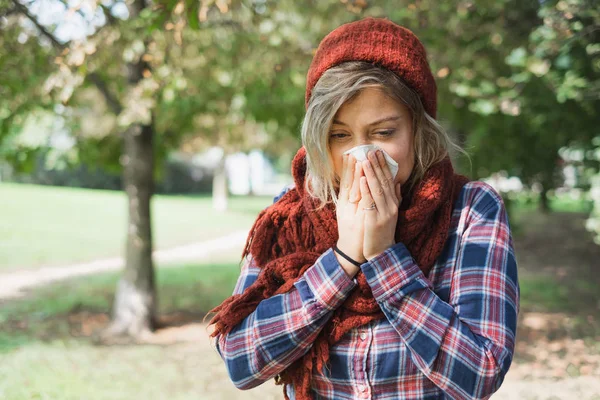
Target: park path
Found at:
x=15, y=284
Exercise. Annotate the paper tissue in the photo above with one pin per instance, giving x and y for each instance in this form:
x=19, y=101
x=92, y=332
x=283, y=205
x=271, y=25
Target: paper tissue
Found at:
x=360, y=153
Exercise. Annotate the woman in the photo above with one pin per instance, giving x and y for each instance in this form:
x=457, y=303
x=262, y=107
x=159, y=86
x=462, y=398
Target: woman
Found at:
x=357, y=283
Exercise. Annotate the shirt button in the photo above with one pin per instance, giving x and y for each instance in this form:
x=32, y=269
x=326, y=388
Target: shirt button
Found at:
x=363, y=336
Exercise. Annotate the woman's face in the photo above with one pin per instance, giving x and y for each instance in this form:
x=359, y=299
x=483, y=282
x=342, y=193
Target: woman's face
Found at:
x=373, y=117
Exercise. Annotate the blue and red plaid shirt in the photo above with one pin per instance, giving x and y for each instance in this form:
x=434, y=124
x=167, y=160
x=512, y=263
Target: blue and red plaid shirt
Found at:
x=447, y=335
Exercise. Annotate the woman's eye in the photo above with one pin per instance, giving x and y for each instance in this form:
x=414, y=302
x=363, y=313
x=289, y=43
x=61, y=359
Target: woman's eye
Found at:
x=386, y=133
x=337, y=135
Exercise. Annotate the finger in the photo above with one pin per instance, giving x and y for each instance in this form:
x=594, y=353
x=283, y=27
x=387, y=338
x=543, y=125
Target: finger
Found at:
x=366, y=197
x=354, y=196
x=386, y=178
x=375, y=188
x=381, y=168
x=384, y=166
x=345, y=181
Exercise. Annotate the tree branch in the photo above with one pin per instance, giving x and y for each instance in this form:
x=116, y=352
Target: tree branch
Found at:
x=113, y=102
x=93, y=77
x=8, y=12
x=112, y=20
x=23, y=10
x=224, y=22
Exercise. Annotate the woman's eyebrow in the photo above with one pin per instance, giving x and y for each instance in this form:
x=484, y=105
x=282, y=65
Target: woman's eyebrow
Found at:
x=379, y=121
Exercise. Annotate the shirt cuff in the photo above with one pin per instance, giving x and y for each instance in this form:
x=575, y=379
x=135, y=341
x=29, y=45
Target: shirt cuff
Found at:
x=391, y=271
x=326, y=282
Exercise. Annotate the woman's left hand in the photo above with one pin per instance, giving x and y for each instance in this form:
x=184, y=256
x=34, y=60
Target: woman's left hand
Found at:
x=377, y=186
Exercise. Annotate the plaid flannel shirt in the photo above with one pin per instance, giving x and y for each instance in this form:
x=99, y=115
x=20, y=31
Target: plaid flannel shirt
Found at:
x=447, y=335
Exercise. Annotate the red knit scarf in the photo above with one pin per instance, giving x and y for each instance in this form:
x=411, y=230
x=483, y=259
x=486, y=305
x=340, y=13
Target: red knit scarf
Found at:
x=289, y=236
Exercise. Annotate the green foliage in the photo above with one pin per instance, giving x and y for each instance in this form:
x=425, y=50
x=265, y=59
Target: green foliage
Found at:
x=25, y=65
x=517, y=80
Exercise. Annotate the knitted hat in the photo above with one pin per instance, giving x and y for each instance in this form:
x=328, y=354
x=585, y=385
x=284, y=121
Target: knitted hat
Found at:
x=382, y=43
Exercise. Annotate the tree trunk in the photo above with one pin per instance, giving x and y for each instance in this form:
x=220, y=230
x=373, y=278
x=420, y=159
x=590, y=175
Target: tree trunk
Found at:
x=134, y=308
x=544, y=202
x=546, y=182
x=220, y=187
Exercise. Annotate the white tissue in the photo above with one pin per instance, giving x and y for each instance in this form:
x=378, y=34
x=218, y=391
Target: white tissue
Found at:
x=360, y=153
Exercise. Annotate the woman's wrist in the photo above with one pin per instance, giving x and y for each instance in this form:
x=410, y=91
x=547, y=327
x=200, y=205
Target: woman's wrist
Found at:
x=350, y=265
x=350, y=269
x=379, y=252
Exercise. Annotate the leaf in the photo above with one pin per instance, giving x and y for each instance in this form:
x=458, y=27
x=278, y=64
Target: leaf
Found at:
x=517, y=58
x=192, y=10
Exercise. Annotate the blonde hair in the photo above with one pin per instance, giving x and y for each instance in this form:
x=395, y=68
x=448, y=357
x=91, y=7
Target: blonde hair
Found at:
x=344, y=82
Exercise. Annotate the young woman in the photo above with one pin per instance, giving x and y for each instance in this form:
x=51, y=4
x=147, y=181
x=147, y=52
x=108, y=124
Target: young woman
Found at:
x=359, y=283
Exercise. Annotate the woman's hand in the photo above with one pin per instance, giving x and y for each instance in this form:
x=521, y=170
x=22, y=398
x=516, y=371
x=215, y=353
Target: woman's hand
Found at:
x=377, y=186
x=350, y=217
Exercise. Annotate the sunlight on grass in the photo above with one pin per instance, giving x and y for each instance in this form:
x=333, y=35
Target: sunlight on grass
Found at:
x=560, y=203
x=40, y=359
x=190, y=288
x=42, y=225
x=72, y=370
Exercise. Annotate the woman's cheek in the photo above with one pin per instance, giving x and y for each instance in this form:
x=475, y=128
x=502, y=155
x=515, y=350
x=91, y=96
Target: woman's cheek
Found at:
x=339, y=168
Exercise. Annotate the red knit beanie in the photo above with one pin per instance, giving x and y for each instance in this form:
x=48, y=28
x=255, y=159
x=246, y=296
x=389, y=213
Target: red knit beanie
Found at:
x=382, y=43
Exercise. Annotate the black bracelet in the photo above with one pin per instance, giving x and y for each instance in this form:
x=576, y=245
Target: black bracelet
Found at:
x=335, y=248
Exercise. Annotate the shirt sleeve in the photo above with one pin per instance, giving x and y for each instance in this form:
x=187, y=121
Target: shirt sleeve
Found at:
x=464, y=346
x=282, y=328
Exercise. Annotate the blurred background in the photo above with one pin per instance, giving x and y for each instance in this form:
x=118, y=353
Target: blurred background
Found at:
x=140, y=139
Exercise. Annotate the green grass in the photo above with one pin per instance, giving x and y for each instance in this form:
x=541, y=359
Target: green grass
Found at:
x=42, y=315
x=74, y=371
x=546, y=293
x=42, y=225
x=576, y=298
x=41, y=359
x=559, y=203
x=521, y=205
x=70, y=370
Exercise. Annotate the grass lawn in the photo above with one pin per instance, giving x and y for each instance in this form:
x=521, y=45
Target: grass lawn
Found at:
x=43, y=225
x=46, y=351
x=559, y=203
x=192, y=289
x=71, y=370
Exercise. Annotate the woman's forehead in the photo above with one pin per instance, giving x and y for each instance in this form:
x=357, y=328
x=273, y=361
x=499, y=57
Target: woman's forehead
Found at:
x=368, y=106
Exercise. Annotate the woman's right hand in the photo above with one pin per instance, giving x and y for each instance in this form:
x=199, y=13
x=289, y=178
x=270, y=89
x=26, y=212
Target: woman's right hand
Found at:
x=350, y=217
